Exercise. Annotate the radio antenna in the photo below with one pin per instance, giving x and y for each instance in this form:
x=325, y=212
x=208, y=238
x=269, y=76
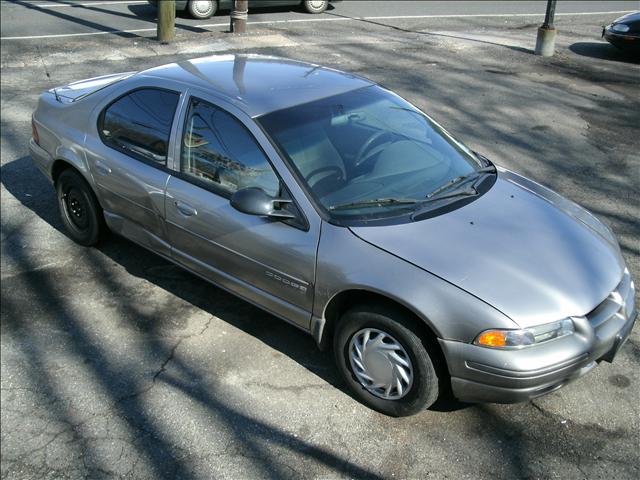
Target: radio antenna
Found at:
x=46, y=72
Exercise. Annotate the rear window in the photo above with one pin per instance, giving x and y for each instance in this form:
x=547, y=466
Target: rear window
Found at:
x=139, y=124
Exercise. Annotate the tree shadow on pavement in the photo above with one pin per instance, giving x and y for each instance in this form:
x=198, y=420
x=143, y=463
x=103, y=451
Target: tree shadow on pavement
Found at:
x=28, y=185
x=431, y=34
x=126, y=388
x=520, y=448
x=99, y=26
x=604, y=51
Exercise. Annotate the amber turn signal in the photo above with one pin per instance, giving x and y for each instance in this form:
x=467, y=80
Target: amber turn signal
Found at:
x=528, y=336
x=492, y=338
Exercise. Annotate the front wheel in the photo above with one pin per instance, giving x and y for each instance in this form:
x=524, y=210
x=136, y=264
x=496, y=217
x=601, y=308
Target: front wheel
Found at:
x=202, y=9
x=316, y=6
x=384, y=362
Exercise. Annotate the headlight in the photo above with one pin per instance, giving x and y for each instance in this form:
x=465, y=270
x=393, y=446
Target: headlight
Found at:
x=526, y=336
x=620, y=27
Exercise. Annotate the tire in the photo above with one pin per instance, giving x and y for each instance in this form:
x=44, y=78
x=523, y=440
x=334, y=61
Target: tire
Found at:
x=420, y=393
x=315, y=6
x=79, y=209
x=202, y=9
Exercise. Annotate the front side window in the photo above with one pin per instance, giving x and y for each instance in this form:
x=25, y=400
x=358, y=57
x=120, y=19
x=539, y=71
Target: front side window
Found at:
x=139, y=124
x=219, y=151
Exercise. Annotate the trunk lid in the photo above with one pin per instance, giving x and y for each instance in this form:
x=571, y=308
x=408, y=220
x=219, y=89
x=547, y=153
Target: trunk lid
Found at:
x=77, y=90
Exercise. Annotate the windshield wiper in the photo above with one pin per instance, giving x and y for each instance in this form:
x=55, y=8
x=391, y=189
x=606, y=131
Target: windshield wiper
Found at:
x=437, y=194
x=467, y=192
x=376, y=202
x=460, y=180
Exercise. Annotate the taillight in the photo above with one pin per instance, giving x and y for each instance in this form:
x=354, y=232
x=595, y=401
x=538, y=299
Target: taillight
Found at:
x=34, y=132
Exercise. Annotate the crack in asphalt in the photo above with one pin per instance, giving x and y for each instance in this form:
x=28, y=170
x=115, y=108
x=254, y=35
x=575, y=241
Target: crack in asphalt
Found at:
x=175, y=347
x=74, y=428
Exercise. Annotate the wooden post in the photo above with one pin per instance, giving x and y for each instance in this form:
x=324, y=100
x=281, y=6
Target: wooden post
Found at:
x=166, y=20
x=239, y=16
x=546, y=39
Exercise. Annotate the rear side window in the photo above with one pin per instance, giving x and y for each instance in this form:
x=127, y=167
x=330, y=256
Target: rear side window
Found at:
x=139, y=124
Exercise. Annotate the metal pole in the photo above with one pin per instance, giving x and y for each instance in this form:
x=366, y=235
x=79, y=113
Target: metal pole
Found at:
x=551, y=11
x=166, y=20
x=239, y=16
x=546, y=39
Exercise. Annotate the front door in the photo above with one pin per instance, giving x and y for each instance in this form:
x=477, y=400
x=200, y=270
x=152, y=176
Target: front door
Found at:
x=268, y=262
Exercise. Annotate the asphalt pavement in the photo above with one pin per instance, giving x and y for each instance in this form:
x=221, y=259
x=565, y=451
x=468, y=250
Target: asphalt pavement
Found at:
x=60, y=19
x=117, y=364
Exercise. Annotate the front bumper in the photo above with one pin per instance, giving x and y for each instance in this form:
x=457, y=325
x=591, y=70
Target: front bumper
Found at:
x=480, y=374
x=621, y=40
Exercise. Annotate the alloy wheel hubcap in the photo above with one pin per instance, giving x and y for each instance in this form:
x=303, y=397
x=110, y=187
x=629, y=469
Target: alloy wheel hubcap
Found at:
x=203, y=7
x=380, y=363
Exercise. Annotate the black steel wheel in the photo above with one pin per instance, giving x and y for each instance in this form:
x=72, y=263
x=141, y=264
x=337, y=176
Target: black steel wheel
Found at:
x=79, y=208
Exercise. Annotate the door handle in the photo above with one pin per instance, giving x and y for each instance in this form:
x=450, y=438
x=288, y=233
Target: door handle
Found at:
x=102, y=169
x=185, y=209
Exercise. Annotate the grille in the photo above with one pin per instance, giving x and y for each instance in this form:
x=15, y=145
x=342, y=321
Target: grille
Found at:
x=619, y=303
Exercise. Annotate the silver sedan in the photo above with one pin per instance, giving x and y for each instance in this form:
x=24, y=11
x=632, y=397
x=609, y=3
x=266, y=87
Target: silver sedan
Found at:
x=341, y=208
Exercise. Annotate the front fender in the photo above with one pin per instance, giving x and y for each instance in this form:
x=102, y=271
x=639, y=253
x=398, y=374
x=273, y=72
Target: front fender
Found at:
x=346, y=262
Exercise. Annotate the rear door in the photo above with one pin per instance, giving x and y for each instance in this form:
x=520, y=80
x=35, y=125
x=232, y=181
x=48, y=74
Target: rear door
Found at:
x=268, y=262
x=128, y=156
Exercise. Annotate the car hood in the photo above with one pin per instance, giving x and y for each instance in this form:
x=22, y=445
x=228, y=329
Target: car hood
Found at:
x=525, y=250
x=628, y=18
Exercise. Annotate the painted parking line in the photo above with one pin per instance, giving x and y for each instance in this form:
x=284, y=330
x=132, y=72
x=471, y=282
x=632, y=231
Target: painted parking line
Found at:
x=321, y=19
x=86, y=34
x=89, y=4
x=541, y=14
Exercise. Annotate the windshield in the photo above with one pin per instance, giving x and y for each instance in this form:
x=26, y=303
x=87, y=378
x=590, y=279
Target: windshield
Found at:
x=368, y=144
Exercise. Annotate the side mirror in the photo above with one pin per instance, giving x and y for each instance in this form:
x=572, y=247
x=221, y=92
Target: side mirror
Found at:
x=254, y=201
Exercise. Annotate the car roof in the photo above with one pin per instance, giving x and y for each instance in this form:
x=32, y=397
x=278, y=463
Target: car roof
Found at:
x=260, y=84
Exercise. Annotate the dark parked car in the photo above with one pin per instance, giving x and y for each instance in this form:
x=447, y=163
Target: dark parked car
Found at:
x=624, y=32
x=206, y=8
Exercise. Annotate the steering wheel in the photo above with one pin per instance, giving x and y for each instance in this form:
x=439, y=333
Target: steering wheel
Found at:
x=328, y=168
x=364, y=154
